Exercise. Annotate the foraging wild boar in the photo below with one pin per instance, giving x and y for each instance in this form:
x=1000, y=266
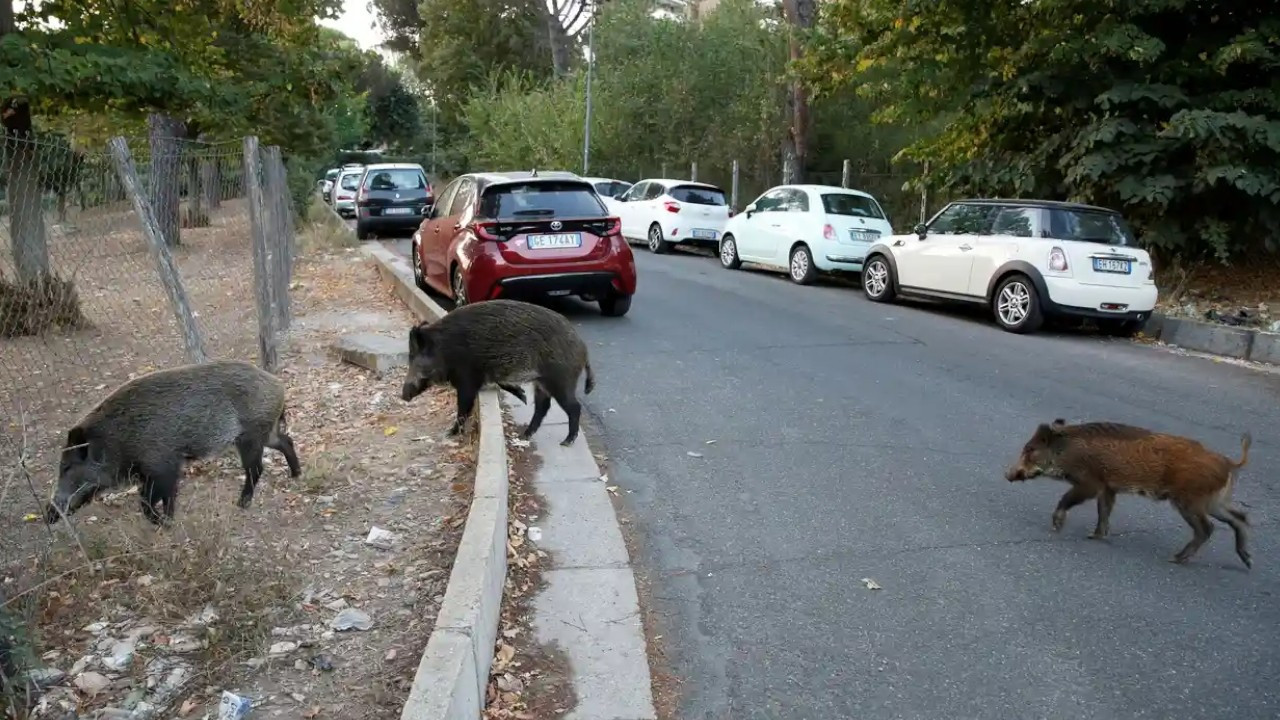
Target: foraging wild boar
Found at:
x=150, y=425
x=504, y=342
x=1102, y=459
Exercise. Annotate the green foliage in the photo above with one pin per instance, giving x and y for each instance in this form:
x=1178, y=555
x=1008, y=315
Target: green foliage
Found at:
x=1166, y=109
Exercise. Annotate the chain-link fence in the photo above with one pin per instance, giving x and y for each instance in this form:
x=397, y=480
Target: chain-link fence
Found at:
x=115, y=262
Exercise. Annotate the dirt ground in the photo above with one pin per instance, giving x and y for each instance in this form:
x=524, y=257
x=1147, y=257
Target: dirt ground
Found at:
x=1245, y=294
x=284, y=603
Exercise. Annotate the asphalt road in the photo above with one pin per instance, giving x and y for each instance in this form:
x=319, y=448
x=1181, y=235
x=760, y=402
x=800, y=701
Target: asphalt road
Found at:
x=855, y=440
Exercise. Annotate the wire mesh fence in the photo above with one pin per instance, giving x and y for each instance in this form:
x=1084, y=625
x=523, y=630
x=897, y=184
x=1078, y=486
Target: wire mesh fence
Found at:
x=115, y=262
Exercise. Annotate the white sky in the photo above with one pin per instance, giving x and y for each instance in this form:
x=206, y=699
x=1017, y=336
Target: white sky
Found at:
x=358, y=21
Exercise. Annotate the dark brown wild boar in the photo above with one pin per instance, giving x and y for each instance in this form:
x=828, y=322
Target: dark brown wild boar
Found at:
x=1102, y=459
x=504, y=342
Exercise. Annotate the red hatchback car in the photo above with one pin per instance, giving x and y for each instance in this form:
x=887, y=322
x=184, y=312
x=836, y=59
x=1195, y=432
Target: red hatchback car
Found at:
x=521, y=234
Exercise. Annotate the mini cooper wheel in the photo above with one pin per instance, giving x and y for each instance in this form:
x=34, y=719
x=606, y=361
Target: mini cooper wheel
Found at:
x=1017, y=306
x=729, y=253
x=877, y=279
x=657, y=245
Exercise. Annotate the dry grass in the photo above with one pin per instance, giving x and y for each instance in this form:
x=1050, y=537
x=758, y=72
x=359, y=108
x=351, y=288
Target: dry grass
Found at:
x=158, y=622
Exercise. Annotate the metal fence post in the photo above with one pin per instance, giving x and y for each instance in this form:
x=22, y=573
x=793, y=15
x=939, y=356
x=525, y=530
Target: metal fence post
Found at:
x=846, y=173
x=733, y=187
x=267, y=351
x=693, y=171
x=280, y=226
x=165, y=266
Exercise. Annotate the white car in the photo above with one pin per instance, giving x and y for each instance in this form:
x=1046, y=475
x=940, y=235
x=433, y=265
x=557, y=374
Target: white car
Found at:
x=672, y=212
x=805, y=229
x=344, y=190
x=608, y=187
x=1026, y=259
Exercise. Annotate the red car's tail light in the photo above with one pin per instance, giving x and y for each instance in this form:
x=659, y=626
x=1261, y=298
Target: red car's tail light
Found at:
x=672, y=207
x=614, y=227
x=487, y=231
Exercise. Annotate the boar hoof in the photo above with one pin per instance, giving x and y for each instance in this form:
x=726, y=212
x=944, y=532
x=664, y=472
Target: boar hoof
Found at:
x=1058, y=520
x=1179, y=559
x=455, y=429
x=527, y=432
x=1246, y=559
x=244, y=501
x=1097, y=534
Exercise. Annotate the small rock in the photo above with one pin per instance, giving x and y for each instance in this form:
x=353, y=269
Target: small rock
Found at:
x=44, y=677
x=282, y=648
x=255, y=662
x=121, y=655
x=380, y=538
x=327, y=635
x=96, y=628
x=326, y=499
x=391, y=655
x=323, y=663
x=298, y=697
x=111, y=713
x=336, y=605
x=510, y=683
x=81, y=664
x=534, y=533
x=145, y=581
x=91, y=683
x=352, y=619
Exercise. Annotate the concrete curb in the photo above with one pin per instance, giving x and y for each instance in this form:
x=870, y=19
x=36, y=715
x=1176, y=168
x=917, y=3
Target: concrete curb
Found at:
x=1233, y=342
x=454, y=670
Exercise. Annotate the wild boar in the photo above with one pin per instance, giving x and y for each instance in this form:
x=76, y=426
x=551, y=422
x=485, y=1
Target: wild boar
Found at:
x=148, y=427
x=1102, y=459
x=505, y=342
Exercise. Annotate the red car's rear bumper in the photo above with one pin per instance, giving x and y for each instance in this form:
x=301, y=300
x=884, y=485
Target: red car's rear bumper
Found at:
x=487, y=275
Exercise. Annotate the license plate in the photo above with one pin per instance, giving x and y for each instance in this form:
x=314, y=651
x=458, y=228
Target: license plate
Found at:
x=1110, y=265
x=864, y=235
x=704, y=234
x=555, y=240
x=398, y=211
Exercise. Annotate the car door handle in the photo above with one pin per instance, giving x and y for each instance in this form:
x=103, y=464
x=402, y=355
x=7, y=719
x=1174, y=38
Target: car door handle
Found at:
x=966, y=246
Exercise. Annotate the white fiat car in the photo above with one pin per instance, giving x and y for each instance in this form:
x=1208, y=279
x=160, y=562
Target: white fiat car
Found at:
x=805, y=229
x=671, y=212
x=1026, y=259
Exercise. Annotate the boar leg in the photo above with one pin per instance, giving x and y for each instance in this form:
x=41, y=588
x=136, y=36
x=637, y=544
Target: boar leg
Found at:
x=251, y=447
x=541, y=406
x=284, y=444
x=1071, y=498
x=159, y=485
x=1201, y=529
x=1238, y=522
x=568, y=401
x=468, y=388
x=1106, y=502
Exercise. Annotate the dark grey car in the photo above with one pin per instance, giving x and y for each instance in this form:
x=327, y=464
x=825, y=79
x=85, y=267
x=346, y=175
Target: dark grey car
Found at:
x=393, y=198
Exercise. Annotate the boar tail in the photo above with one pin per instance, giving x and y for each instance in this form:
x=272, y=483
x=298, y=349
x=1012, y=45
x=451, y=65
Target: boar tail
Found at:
x=591, y=380
x=1245, y=441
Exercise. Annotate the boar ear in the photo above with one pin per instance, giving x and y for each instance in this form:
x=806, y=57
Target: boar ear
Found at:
x=80, y=447
x=420, y=340
x=1043, y=433
x=1058, y=424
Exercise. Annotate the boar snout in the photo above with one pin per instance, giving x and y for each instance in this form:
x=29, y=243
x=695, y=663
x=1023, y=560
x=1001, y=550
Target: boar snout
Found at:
x=412, y=389
x=66, y=503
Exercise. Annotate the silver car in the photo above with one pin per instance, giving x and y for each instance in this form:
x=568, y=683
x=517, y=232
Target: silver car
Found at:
x=344, y=190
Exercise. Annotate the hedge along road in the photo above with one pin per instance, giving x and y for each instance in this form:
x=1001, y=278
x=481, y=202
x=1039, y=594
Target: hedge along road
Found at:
x=855, y=440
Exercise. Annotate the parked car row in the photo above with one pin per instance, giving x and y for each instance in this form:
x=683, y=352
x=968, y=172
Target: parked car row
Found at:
x=1028, y=260
x=384, y=198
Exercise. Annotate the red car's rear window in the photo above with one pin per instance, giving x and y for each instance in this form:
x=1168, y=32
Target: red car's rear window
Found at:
x=542, y=199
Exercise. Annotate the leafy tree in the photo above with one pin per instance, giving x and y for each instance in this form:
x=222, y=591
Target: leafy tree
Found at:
x=1167, y=109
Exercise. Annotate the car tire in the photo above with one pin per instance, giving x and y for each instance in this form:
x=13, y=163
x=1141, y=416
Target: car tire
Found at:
x=1121, y=328
x=1016, y=305
x=362, y=232
x=657, y=245
x=878, y=280
x=615, y=305
x=800, y=267
x=458, y=286
x=419, y=278
x=729, y=259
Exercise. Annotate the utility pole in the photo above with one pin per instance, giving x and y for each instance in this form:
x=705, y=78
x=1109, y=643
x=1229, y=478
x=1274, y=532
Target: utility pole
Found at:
x=586, y=123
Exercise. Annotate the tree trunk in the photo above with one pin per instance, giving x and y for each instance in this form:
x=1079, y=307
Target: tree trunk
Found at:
x=27, y=239
x=197, y=214
x=211, y=182
x=165, y=134
x=561, y=52
x=800, y=15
